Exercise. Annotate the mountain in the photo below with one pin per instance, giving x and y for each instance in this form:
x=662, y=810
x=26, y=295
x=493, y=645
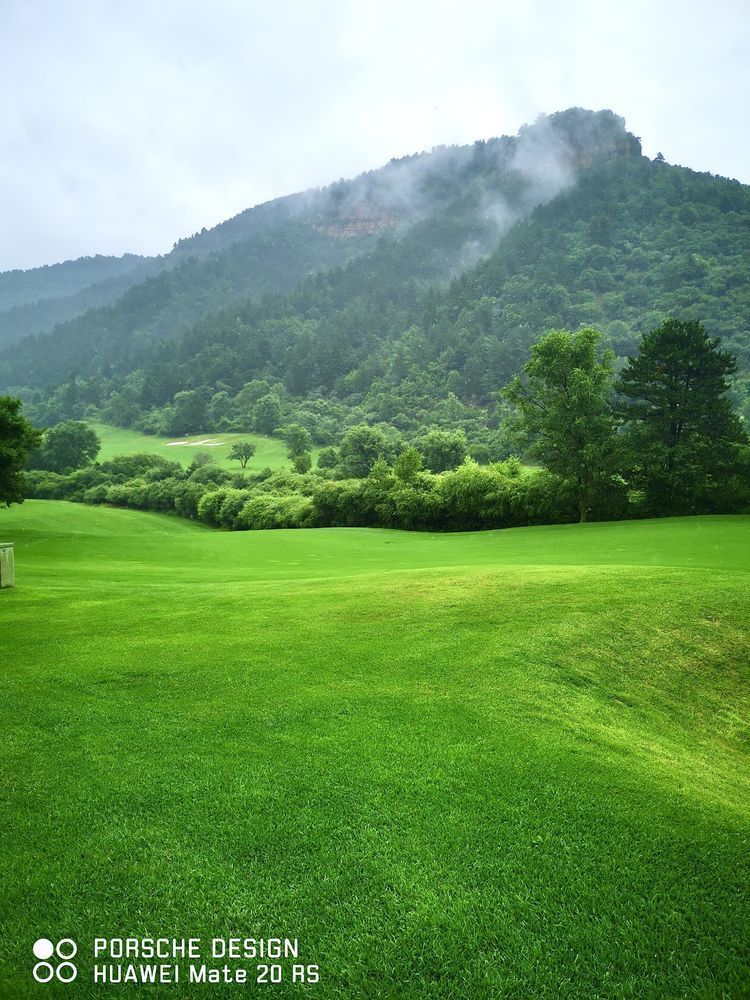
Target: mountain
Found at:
x=478, y=191
x=409, y=295
x=19, y=288
x=36, y=300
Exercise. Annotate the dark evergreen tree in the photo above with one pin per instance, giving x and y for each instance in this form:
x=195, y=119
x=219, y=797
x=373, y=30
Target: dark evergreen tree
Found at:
x=684, y=440
x=189, y=415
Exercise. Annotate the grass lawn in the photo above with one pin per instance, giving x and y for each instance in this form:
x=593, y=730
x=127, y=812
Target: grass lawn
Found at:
x=269, y=452
x=501, y=764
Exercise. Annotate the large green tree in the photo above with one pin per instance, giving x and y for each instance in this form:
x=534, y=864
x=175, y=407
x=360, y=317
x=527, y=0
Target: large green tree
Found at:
x=190, y=414
x=267, y=414
x=68, y=445
x=443, y=450
x=408, y=465
x=562, y=401
x=296, y=438
x=17, y=439
x=360, y=449
x=686, y=444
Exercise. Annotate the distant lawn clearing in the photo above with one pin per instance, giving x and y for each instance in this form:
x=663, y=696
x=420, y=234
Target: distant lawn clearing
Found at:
x=487, y=765
x=269, y=452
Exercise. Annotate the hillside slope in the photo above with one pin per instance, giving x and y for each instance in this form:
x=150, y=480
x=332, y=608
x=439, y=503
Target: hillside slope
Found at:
x=45, y=309
x=485, y=188
x=434, y=276
x=19, y=288
x=631, y=242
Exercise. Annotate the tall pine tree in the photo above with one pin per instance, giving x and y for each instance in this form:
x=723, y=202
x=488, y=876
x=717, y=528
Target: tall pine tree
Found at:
x=685, y=442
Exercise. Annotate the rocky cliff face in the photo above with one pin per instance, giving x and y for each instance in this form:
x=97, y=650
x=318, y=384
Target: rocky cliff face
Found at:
x=361, y=221
x=554, y=148
x=591, y=136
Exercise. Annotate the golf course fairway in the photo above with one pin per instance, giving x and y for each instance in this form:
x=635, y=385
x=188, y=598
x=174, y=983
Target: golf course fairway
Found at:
x=269, y=452
x=498, y=764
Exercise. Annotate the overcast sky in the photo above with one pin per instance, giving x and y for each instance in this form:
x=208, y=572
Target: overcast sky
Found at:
x=125, y=124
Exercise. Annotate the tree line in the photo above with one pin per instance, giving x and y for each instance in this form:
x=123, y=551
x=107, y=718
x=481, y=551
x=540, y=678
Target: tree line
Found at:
x=659, y=437
x=664, y=426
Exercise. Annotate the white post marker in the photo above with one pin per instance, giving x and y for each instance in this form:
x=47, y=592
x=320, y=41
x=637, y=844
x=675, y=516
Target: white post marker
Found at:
x=7, y=567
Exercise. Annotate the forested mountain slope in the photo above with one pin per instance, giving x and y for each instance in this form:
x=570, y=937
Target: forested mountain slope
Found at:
x=483, y=189
x=118, y=335
x=18, y=288
x=208, y=275
x=566, y=225
x=634, y=241
x=42, y=314
x=35, y=300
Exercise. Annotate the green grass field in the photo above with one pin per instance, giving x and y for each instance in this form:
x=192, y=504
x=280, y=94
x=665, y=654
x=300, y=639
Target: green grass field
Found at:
x=269, y=452
x=502, y=764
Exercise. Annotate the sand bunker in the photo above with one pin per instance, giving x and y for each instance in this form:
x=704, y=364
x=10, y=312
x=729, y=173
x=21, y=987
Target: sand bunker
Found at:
x=205, y=443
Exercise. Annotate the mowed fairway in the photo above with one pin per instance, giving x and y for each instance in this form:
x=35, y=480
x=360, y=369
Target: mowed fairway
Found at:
x=502, y=764
x=269, y=452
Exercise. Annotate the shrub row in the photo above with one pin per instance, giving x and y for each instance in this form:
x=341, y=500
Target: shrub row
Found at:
x=470, y=497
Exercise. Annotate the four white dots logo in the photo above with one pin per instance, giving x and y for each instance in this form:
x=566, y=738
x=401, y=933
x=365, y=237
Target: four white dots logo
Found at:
x=44, y=970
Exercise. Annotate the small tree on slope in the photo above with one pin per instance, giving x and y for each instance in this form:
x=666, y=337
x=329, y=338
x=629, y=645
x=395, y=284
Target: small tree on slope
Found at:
x=242, y=452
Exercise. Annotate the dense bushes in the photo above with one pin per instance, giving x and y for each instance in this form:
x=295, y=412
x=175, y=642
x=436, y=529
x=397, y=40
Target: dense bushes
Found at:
x=469, y=497
x=465, y=499
x=267, y=511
